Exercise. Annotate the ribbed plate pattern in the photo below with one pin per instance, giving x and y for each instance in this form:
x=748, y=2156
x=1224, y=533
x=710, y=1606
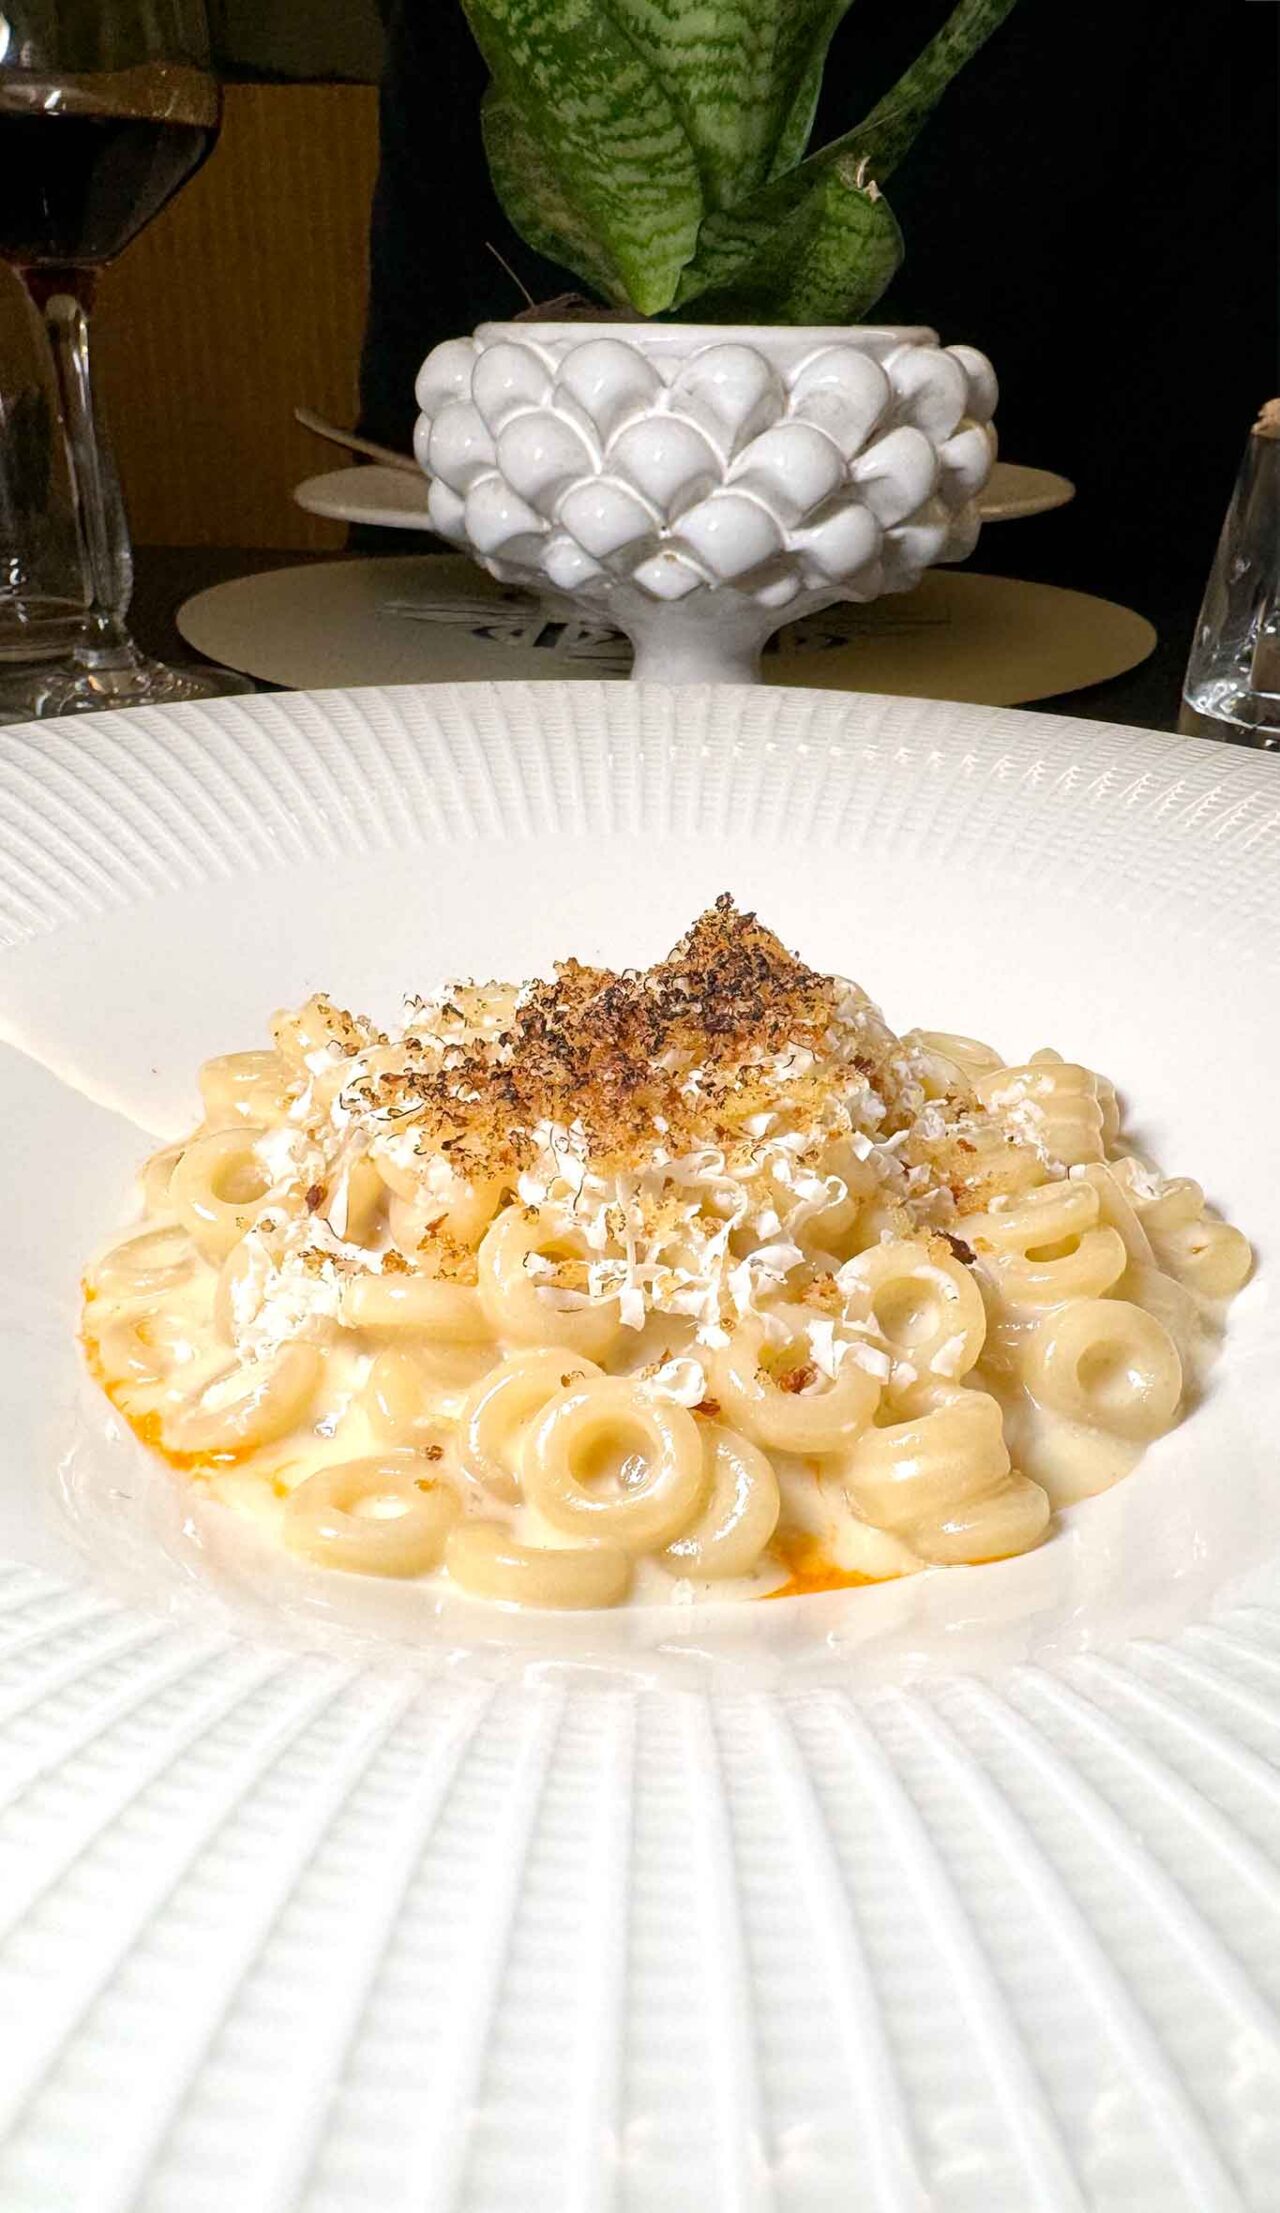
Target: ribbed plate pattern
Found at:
x=283, y=1935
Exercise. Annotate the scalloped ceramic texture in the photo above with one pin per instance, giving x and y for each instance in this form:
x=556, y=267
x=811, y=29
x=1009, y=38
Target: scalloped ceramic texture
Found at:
x=281, y=1933
x=701, y=485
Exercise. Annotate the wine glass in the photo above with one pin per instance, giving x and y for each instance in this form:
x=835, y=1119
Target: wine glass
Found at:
x=107, y=107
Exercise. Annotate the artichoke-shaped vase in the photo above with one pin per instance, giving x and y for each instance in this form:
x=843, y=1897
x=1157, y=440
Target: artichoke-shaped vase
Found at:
x=699, y=486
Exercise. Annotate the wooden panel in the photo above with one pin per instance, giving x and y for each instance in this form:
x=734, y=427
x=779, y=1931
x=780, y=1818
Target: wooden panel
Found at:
x=323, y=42
x=244, y=298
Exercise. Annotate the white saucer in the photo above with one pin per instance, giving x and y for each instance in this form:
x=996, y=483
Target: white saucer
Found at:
x=397, y=498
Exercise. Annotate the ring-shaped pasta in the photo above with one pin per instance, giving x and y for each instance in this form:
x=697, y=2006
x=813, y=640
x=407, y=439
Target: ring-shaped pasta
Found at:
x=662, y=1483
x=1047, y=1245
x=993, y=1163
x=155, y=1261
x=495, y=1417
x=1116, y=1212
x=219, y=1188
x=1174, y=1306
x=925, y=1305
x=485, y=1559
x=851, y=1183
x=1109, y=1108
x=428, y=1305
x=1107, y=1364
x=941, y=1480
x=128, y=1351
x=857, y=1174
x=1010, y=1518
x=1095, y=1266
x=471, y=1210
x=234, y=1299
x=462, y=1209
x=1061, y=1099
x=275, y=1395
x=363, y=1062
x=400, y=1397
x=406, y=1222
x=156, y=1175
x=967, y=1055
x=876, y=1222
x=1178, y=1203
x=317, y=1026
x=741, y=1511
x=1040, y=1224
x=321, y=1520
x=806, y=1421
x=451, y=1368
x=938, y=1077
x=356, y=1207
x=510, y=1293
x=1210, y=1257
x=832, y=1230
x=254, y=1087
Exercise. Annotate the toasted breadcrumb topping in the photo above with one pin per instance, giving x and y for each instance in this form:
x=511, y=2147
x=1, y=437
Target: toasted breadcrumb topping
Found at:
x=698, y=1125
x=688, y=1049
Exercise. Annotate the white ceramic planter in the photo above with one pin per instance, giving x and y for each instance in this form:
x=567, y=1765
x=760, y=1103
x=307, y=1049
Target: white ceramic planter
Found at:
x=699, y=485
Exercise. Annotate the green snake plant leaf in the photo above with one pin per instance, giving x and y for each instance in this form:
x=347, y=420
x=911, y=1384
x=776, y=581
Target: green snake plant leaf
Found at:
x=607, y=131
x=820, y=244
x=821, y=250
x=539, y=208
x=743, y=76
x=794, y=135
x=894, y=123
x=657, y=148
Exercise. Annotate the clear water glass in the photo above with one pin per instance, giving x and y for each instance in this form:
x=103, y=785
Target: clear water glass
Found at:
x=1232, y=687
x=42, y=598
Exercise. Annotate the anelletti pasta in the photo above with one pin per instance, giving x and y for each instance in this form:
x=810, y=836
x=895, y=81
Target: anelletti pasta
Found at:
x=693, y=1282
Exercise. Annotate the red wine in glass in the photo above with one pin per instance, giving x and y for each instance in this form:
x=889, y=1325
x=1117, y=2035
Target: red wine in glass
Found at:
x=76, y=188
x=107, y=107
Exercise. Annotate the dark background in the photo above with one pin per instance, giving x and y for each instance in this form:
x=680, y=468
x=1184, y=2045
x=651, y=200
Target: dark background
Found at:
x=1094, y=204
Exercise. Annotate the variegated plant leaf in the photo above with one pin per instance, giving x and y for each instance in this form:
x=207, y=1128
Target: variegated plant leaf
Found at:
x=539, y=207
x=818, y=246
x=887, y=133
x=654, y=147
x=743, y=76
x=610, y=133
x=777, y=256
x=794, y=135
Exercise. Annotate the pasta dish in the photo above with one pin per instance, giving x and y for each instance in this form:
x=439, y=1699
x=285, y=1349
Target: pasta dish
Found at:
x=685, y=1283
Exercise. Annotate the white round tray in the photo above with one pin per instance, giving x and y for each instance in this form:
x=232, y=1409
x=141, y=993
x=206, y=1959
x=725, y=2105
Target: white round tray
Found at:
x=440, y=618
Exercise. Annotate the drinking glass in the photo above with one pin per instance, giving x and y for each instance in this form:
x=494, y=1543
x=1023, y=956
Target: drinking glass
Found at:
x=107, y=107
x=41, y=580
x=1232, y=687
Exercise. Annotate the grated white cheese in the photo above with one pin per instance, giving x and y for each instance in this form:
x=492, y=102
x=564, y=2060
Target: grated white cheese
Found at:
x=663, y=1238
x=682, y=1381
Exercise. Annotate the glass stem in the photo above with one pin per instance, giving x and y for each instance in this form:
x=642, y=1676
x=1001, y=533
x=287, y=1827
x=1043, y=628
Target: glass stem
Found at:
x=104, y=543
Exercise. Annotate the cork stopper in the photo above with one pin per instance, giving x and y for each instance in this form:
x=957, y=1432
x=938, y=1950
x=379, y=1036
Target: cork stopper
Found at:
x=1268, y=423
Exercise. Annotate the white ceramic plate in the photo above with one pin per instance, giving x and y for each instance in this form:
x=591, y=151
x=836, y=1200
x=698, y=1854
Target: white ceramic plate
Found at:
x=961, y=1894
x=397, y=500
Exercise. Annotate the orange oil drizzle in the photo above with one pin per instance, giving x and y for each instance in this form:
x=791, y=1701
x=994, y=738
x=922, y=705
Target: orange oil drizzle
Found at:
x=147, y=1427
x=812, y=1568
